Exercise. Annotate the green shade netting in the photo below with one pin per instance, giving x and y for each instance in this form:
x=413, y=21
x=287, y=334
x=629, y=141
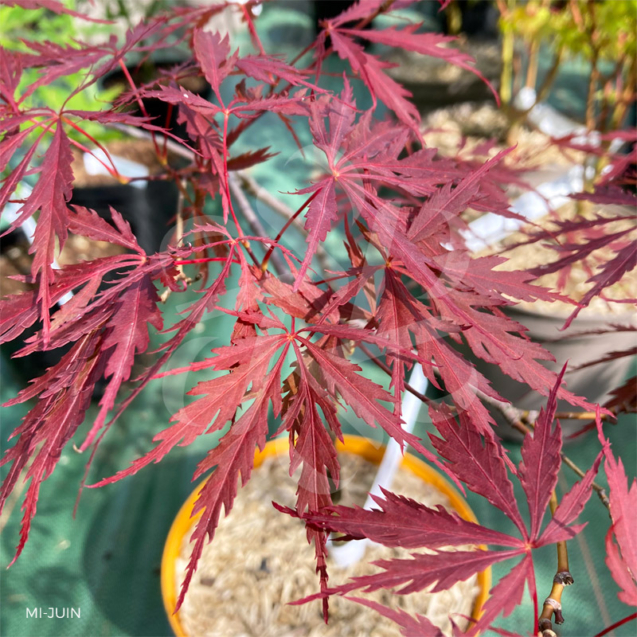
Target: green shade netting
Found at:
x=106, y=561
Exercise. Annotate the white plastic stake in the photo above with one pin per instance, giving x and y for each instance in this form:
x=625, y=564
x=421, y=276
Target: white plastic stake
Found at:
x=349, y=553
x=491, y=228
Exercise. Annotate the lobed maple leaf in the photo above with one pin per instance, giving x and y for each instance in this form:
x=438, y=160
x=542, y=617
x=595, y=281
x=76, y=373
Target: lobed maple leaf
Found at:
x=49, y=197
x=400, y=521
x=418, y=626
x=213, y=53
x=412, y=293
x=105, y=328
x=372, y=70
x=621, y=544
x=66, y=391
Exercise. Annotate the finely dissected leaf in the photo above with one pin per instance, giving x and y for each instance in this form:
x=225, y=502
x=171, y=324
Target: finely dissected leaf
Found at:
x=212, y=51
x=418, y=626
x=622, y=574
x=20, y=311
x=321, y=214
x=395, y=320
x=622, y=557
x=570, y=506
x=88, y=223
x=423, y=43
x=409, y=524
x=233, y=456
x=322, y=211
x=481, y=468
x=359, y=392
x=357, y=11
x=403, y=522
x=400, y=315
x=611, y=272
x=440, y=570
x=126, y=334
x=221, y=397
x=609, y=195
x=372, y=71
x=541, y=460
x=266, y=68
x=311, y=446
x=49, y=196
x=506, y=595
x=65, y=395
x=363, y=396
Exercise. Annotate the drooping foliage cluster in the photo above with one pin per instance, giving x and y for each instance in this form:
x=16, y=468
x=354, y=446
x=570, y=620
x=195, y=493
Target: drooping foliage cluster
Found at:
x=411, y=293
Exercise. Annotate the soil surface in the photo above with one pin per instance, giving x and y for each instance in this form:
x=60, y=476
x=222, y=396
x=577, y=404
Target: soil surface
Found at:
x=260, y=560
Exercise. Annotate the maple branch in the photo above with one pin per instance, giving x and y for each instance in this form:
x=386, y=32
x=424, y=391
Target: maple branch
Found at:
x=261, y=194
x=252, y=187
x=227, y=180
x=383, y=7
x=177, y=149
x=562, y=578
x=253, y=32
x=387, y=370
x=179, y=228
x=581, y=415
x=254, y=222
x=112, y=169
x=288, y=223
x=140, y=102
x=179, y=233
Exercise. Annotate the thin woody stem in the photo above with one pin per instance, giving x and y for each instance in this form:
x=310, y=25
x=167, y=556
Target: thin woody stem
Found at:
x=254, y=222
x=562, y=552
x=387, y=370
x=203, y=260
x=383, y=7
x=179, y=228
x=140, y=102
x=508, y=411
x=581, y=415
x=553, y=604
x=261, y=194
x=288, y=223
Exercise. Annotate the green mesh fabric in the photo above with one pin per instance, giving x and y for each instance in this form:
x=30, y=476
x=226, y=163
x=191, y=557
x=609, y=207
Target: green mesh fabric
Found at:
x=106, y=561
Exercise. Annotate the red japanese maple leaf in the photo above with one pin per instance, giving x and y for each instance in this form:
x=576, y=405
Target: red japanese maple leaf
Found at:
x=400, y=521
x=621, y=545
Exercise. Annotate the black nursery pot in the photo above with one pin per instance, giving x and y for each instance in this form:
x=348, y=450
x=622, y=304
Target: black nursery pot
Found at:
x=159, y=111
x=34, y=365
x=149, y=210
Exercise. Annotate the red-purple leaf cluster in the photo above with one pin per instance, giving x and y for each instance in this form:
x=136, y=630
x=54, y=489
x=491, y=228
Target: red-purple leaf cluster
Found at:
x=480, y=464
x=408, y=292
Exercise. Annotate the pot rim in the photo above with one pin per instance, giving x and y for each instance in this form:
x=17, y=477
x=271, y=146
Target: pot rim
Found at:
x=357, y=445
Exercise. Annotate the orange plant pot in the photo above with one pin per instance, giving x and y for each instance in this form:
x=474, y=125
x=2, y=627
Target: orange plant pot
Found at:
x=352, y=444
